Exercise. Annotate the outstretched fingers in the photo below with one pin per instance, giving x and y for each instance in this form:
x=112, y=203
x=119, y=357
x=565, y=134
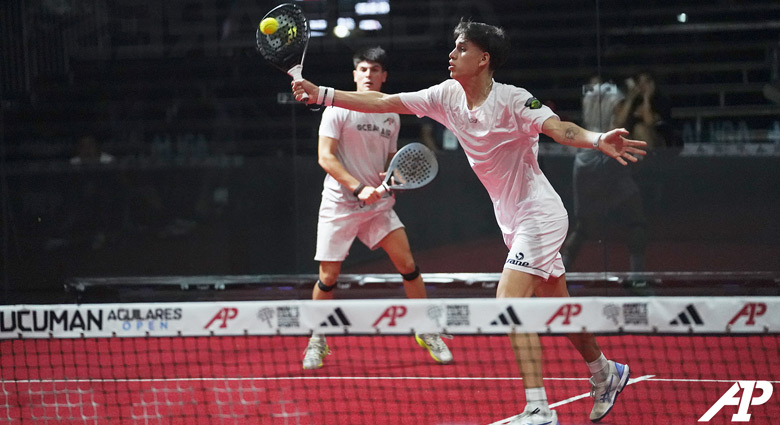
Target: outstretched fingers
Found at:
x=634, y=142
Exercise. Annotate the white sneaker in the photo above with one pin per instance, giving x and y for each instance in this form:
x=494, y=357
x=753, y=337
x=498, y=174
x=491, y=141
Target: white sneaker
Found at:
x=315, y=352
x=535, y=417
x=605, y=393
x=435, y=346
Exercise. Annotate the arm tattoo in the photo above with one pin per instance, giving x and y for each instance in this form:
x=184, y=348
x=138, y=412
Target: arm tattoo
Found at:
x=571, y=133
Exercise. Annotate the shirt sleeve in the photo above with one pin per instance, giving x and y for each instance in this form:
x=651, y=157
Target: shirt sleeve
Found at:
x=424, y=103
x=531, y=116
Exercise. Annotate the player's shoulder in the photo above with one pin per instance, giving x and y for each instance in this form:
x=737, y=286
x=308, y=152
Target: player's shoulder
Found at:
x=390, y=118
x=512, y=90
x=334, y=113
x=516, y=96
x=335, y=110
x=448, y=85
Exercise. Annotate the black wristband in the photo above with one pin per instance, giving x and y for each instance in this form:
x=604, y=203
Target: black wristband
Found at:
x=359, y=189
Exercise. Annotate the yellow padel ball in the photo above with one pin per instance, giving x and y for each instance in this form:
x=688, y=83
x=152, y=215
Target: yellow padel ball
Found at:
x=269, y=26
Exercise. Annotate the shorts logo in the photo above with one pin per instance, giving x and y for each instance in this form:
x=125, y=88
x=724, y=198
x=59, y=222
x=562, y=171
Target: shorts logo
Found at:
x=518, y=260
x=744, y=402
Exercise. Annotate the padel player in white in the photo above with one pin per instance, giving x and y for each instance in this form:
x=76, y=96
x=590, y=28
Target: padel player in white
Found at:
x=498, y=127
x=354, y=149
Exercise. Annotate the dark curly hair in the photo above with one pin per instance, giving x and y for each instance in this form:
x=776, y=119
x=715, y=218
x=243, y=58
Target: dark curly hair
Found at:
x=489, y=38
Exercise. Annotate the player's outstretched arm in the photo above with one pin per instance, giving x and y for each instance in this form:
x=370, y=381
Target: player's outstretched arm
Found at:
x=613, y=143
x=367, y=101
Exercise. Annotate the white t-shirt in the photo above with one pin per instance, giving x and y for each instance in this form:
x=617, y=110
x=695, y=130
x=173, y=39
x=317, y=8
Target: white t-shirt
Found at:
x=500, y=139
x=365, y=143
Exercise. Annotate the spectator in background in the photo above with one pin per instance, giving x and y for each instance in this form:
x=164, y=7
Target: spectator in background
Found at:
x=602, y=187
x=646, y=112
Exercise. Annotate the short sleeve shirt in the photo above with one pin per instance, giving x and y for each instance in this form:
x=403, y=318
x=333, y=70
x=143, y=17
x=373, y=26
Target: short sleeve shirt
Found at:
x=501, y=141
x=365, y=143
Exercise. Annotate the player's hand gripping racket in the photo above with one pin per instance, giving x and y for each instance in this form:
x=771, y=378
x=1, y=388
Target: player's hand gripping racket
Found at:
x=412, y=167
x=282, y=38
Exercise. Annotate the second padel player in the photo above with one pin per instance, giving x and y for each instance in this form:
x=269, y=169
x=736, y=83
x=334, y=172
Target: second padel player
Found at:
x=354, y=149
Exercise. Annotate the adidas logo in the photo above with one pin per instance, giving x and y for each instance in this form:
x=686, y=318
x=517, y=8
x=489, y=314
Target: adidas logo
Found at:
x=337, y=318
x=508, y=317
x=687, y=317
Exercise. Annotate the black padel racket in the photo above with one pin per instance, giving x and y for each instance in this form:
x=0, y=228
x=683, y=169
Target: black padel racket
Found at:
x=285, y=48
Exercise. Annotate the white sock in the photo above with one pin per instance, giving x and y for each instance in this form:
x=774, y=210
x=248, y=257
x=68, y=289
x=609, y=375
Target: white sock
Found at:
x=536, y=398
x=599, y=368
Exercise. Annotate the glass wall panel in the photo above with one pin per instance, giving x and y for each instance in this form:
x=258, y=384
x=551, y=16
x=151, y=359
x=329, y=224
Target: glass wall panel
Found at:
x=148, y=140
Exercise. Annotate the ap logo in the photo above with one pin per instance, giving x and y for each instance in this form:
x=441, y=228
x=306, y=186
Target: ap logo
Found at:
x=744, y=402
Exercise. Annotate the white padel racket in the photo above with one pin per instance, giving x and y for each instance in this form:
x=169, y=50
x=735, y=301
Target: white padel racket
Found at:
x=412, y=167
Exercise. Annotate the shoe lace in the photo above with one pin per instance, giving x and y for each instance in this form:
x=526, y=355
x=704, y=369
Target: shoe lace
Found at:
x=593, y=388
x=434, y=341
x=315, y=349
x=533, y=412
x=528, y=413
x=596, y=388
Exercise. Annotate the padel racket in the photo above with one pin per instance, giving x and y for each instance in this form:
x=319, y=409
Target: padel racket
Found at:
x=285, y=48
x=412, y=167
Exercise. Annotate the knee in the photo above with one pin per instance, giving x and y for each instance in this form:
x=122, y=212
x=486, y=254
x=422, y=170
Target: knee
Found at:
x=325, y=287
x=412, y=274
x=328, y=278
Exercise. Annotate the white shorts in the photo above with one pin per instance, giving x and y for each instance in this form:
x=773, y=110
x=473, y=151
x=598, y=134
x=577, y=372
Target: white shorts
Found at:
x=340, y=223
x=536, y=248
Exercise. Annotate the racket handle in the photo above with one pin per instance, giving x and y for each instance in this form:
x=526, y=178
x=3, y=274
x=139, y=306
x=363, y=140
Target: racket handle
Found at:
x=383, y=189
x=296, y=73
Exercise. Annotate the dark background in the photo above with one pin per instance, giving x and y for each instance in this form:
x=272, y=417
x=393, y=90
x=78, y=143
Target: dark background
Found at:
x=213, y=177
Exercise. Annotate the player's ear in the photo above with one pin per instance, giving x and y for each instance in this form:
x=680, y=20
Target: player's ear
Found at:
x=485, y=58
